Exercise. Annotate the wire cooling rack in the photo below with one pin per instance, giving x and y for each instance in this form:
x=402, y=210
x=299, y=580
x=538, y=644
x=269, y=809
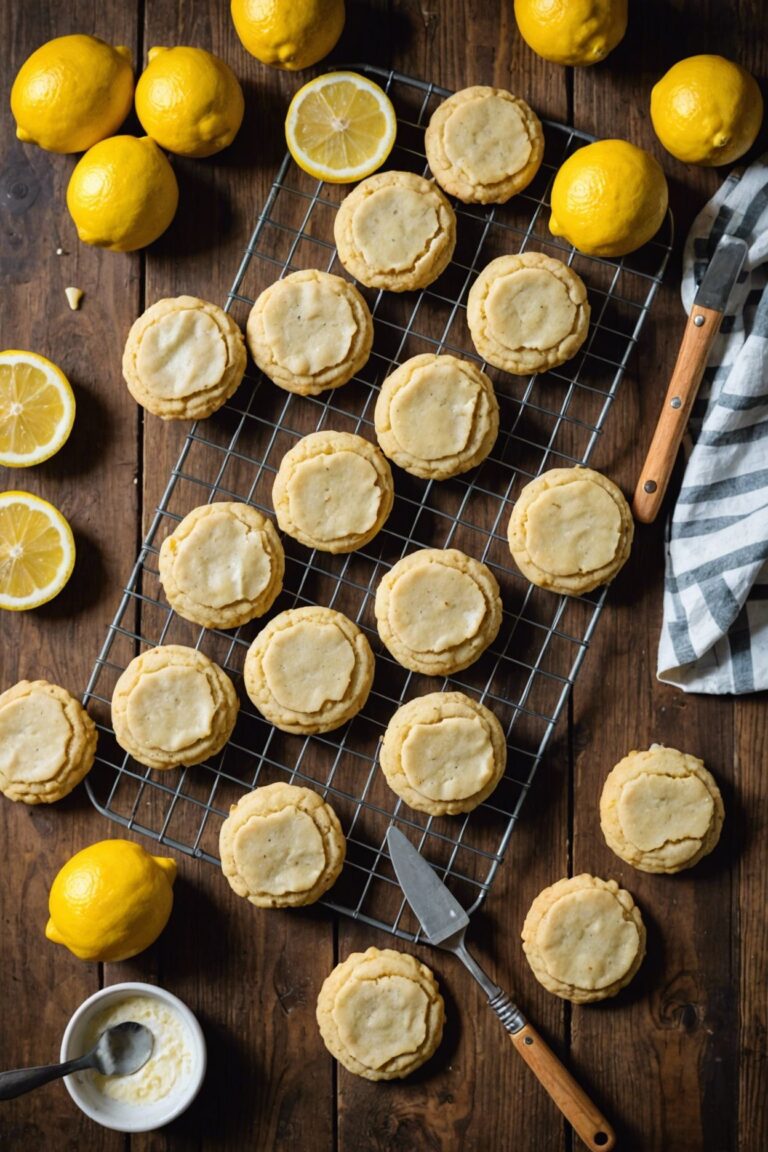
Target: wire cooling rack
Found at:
x=547, y=420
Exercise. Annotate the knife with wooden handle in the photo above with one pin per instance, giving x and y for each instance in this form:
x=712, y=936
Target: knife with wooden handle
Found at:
x=700, y=332
x=444, y=923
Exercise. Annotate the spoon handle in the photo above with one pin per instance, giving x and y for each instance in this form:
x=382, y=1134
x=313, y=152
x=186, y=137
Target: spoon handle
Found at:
x=20, y=1080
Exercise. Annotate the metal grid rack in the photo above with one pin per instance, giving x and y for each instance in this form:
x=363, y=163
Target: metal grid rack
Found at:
x=547, y=421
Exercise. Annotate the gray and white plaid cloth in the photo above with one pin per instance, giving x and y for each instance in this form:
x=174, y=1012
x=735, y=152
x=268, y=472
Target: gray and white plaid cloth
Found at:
x=714, y=635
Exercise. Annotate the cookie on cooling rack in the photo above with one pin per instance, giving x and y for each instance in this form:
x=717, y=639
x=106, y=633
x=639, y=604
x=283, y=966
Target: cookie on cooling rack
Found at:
x=437, y=416
x=333, y=491
x=281, y=846
x=584, y=938
x=380, y=1013
x=310, y=331
x=183, y=358
x=443, y=753
x=222, y=566
x=570, y=530
x=527, y=313
x=47, y=742
x=173, y=706
x=437, y=610
x=484, y=145
x=396, y=231
x=661, y=810
x=310, y=670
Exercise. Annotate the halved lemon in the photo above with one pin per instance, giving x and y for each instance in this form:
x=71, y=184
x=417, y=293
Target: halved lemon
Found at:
x=37, y=551
x=37, y=409
x=340, y=127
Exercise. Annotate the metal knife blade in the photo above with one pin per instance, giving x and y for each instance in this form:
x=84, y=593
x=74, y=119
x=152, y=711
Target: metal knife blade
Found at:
x=437, y=909
x=722, y=273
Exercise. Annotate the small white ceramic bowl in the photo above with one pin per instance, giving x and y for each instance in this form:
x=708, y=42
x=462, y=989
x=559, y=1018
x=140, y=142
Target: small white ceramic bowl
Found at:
x=116, y=1114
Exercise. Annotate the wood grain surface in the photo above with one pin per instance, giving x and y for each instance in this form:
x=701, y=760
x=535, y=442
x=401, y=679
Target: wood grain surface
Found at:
x=679, y=1060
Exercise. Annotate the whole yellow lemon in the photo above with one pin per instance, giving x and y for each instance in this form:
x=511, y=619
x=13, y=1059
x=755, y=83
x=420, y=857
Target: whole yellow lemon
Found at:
x=189, y=101
x=71, y=93
x=110, y=901
x=706, y=110
x=122, y=194
x=290, y=35
x=608, y=198
x=572, y=31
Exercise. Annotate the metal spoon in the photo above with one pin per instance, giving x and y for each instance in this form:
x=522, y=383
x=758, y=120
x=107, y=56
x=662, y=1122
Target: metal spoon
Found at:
x=120, y=1050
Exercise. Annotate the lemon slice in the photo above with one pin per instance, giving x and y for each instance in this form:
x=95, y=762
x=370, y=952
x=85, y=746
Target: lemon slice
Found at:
x=37, y=409
x=340, y=127
x=37, y=551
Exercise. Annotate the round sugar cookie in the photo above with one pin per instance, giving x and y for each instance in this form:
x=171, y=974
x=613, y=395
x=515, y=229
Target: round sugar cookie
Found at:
x=223, y=565
x=584, y=938
x=333, y=491
x=310, y=670
x=47, y=742
x=395, y=230
x=437, y=610
x=527, y=313
x=380, y=1013
x=484, y=145
x=443, y=753
x=571, y=530
x=281, y=846
x=661, y=810
x=310, y=331
x=437, y=416
x=173, y=706
x=184, y=357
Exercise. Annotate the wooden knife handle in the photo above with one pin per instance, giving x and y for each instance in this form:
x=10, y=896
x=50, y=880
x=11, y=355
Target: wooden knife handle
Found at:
x=571, y=1099
x=700, y=332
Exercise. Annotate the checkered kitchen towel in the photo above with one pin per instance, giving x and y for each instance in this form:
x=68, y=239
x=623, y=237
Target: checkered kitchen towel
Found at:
x=714, y=635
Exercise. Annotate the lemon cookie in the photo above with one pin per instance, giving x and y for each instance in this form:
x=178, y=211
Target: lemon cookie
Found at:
x=310, y=331
x=661, y=810
x=437, y=610
x=570, y=530
x=333, y=491
x=47, y=742
x=380, y=1013
x=222, y=566
x=443, y=753
x=527, y=313
x=281, y=846
x=484, y=145
x=437, y=416
x=584, y=938
x=310, y=670
x=183, y=358
x=395, y=231
x=173, y=706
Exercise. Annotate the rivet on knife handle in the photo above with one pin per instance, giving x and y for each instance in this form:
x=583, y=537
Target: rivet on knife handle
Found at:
x=700, y=332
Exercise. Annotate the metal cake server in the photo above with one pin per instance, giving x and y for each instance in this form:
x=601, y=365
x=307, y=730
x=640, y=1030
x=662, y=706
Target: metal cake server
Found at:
x=444, y=923
x=699, y=335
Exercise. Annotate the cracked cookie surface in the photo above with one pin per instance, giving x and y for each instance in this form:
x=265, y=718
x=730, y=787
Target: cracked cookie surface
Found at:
x=584, y=938
x=484, y=145
x=661, y=810
x=527, y=313
x=281, y=846
x=396, y=231
x=47, y=742
x=380, y=1013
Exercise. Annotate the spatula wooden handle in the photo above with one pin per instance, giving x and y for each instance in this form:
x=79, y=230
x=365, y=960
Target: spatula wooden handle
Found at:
x=571, y=1099
x=700, y=332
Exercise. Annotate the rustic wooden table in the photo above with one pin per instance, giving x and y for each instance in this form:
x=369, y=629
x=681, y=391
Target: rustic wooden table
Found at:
x=678, y=1060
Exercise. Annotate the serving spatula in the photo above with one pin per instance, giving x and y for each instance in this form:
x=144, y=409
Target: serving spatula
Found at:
x=444, y=923
x=699, y=335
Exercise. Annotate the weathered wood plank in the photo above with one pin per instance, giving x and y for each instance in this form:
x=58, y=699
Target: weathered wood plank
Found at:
x=475, y=1093
x=92, y=481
